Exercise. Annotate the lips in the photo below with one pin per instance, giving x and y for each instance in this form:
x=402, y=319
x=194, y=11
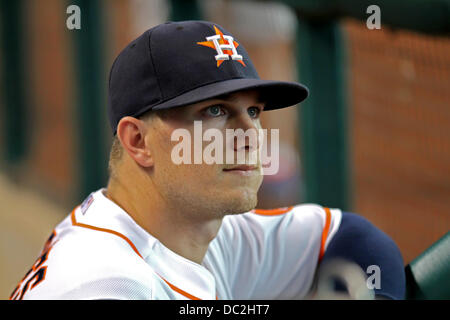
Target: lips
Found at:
x=241, y=168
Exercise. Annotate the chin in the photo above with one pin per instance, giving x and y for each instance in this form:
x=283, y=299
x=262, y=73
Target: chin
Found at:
x=242, y=201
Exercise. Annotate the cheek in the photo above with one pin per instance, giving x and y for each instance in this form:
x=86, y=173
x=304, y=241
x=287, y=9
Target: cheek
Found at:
x=169, y=172
x=197, y=173
x=161, y=144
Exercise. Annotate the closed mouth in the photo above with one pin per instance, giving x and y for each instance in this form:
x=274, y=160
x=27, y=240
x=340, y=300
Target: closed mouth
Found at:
x=241, y=168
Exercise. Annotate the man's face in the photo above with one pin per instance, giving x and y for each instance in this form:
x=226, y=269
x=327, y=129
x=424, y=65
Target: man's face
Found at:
x=218, y=188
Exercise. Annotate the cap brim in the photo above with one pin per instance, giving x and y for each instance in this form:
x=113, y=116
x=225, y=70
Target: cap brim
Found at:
x=275, y=94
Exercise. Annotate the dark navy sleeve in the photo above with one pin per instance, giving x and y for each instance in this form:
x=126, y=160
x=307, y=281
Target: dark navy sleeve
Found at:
x=360, y=241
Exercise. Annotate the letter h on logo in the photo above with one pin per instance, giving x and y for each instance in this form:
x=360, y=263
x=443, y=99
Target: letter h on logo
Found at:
x=229, y=46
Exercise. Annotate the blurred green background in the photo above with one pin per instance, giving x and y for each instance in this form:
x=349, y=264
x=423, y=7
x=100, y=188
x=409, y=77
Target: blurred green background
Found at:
x=372, y=138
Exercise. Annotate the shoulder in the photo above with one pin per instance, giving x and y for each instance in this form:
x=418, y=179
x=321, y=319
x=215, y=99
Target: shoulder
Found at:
x=307, y=225
x=309, y=218
x=84, y=264
x=308, y=212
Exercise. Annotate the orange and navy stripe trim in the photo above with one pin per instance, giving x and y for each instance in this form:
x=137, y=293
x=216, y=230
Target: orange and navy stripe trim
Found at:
x=325, y=232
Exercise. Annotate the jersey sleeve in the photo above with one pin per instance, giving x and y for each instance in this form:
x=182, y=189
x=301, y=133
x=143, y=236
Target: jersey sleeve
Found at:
x=359, y=241
x=271, y=254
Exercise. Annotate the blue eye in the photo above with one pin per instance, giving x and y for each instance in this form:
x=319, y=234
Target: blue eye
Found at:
x=214, y=111
x=253, y=112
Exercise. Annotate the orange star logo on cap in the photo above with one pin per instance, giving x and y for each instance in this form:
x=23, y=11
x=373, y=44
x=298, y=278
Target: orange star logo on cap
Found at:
x=225, y=47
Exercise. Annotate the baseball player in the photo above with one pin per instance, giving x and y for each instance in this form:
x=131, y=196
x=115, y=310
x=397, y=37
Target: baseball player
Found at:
x=161, y=230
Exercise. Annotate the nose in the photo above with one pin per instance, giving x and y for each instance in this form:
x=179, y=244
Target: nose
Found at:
x=246, y=129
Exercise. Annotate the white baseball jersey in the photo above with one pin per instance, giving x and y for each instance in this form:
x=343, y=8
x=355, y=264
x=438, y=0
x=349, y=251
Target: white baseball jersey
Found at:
x=100, y=252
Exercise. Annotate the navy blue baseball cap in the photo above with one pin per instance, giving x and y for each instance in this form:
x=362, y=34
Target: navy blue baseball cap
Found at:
x=181, y=63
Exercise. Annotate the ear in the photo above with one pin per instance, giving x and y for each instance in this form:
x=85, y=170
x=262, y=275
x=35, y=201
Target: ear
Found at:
x=131, y=132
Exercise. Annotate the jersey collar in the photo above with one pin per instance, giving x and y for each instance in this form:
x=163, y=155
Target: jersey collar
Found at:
x=185, y=277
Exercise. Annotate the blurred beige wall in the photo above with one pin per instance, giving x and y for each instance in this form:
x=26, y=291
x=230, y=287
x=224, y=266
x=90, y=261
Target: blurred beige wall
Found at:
x=26, y=221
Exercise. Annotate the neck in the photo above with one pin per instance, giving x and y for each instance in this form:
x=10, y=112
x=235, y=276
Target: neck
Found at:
x=181, y=231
